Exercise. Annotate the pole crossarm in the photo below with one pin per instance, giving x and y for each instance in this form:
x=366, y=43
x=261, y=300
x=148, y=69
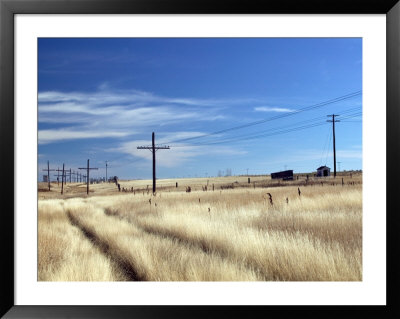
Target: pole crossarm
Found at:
x=153, y=148
x=87, y=168
x=48, y=173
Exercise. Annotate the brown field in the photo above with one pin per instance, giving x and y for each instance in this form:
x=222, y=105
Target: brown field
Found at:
x=231, y=233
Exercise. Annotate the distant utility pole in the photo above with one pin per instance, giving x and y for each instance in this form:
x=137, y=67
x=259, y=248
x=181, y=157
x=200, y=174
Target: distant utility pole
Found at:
x=339, y=165
x=153, y=149
x=334, y=143
x=106, y=169
x=87, y=173
x=76, y=176
x=62, y=178
x=247, y=171
x=48, y=173
x=65, y=178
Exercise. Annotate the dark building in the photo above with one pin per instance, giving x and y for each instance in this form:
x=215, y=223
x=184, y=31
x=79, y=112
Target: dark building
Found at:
x=323, y=171
x=285, y=175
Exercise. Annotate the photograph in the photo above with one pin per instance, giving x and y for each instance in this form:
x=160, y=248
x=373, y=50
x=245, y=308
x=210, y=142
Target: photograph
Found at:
x=212, y=159
x=189, y=160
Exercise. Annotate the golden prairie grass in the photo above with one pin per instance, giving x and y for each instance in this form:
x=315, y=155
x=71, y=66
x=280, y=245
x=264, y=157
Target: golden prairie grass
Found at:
x=150, y=257
x=63, y=252
x=228, y=235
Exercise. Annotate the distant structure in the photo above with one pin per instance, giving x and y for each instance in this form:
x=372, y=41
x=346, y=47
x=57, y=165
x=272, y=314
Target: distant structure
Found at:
x=285, y=175
x=323, y=171
x=45, y=178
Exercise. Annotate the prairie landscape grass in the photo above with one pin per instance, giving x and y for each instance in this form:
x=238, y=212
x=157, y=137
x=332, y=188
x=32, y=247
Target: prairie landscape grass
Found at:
x=222, y=235
x=64, y=254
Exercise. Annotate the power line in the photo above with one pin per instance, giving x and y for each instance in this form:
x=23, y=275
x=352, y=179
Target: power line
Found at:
x=327, y=153
x=279, y=130
x=335, y=100
x=325, y=144
x=273, y=131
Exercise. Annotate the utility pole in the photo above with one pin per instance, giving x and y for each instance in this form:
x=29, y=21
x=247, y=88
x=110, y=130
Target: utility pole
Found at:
x=334, y=143
x=65, y=178
x=76, y=176
x=87, y=173
x=62, y=179
x=106, y=170
x=339, y=165
x=153, y=149
x=48, y=173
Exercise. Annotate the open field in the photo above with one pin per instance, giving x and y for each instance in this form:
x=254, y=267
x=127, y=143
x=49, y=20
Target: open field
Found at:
x=232, y=233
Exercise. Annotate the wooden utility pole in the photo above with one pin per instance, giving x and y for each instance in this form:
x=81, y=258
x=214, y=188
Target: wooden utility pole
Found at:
x=334, y=143
x=106, y=170
x=87, y=174
x=76, y=176
x=153, y=148
x=67, y=173
x=62, y=180
x=62, y=177
x=48, y=173
x=65, y=177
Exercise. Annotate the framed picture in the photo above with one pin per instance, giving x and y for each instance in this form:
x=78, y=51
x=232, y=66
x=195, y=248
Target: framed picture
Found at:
x=31, y=108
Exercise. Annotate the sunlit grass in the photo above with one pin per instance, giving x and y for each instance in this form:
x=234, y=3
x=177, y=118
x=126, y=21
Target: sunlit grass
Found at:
x=229, y=235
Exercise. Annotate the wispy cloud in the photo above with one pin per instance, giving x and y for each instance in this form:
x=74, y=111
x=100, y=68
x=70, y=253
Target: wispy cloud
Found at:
x=106, y=96
x=272, y=109
x=114, y=114
x=50, y=136
x=181, y=153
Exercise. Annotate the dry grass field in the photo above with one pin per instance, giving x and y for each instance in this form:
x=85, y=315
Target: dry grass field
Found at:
x=232, y=233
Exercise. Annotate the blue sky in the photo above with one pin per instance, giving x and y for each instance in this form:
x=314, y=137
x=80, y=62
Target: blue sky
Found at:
x=242, y=104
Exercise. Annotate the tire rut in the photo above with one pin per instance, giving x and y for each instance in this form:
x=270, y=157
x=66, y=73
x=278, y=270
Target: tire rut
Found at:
x=122, y=264
x=196, y=244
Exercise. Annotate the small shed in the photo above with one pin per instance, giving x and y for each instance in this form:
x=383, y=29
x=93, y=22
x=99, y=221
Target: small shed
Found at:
x=323, y=171
x=285, y=175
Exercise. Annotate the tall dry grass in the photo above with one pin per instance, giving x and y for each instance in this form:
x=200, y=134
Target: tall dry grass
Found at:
x=64, y=254
x=229, y=235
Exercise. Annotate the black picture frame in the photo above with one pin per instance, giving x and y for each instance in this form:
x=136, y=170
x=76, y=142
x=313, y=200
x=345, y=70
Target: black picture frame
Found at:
x=8, y=8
